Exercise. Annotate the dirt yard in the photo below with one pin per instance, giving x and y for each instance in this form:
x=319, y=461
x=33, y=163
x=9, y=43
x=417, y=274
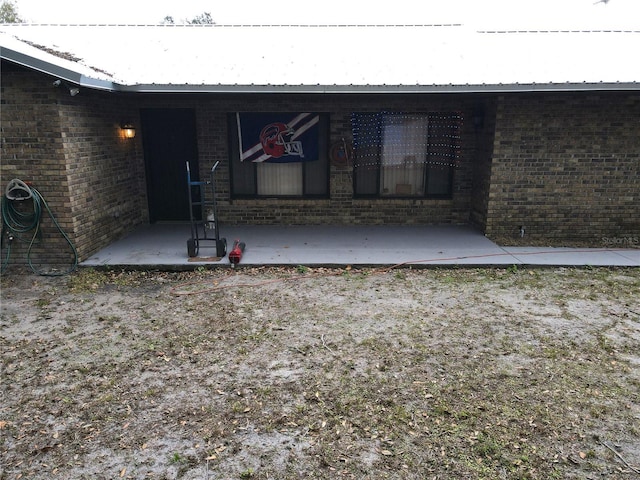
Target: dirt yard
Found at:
x=321, y=373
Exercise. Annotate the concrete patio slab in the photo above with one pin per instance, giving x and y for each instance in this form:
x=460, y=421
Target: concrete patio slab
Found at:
x=576, y=256
x=165, y=246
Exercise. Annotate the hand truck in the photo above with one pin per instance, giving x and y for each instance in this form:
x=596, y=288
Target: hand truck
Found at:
x=203, y=214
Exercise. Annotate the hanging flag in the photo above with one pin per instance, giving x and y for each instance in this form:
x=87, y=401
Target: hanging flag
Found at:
x=278, y=137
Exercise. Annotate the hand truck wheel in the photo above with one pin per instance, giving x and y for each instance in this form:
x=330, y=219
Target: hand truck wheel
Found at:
x=221, y=247
x=192, y=249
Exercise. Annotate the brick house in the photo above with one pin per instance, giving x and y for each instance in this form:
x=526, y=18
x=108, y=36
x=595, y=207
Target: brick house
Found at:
x=415, y=124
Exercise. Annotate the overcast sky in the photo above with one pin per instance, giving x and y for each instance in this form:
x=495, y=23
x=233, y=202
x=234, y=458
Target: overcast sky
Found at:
x=531, y=14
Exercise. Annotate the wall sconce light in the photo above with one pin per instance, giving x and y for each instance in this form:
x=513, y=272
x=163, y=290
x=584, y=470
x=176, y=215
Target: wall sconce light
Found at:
x=128, y=130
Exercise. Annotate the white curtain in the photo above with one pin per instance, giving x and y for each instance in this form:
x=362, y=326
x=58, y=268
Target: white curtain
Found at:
x=404, y=154
x=280, y=178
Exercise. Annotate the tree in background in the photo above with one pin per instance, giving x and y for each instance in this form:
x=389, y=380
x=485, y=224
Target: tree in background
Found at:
x=9, y=13
x=202, y=19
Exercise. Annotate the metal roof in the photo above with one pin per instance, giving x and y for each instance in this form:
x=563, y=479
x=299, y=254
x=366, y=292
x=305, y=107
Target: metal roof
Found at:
x=325, y=58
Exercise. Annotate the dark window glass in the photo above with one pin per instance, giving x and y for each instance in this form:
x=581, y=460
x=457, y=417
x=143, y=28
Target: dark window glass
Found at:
x=279, y=154
x=405, y=154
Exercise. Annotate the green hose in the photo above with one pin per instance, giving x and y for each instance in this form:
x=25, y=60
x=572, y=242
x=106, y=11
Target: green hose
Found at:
x=17, y=224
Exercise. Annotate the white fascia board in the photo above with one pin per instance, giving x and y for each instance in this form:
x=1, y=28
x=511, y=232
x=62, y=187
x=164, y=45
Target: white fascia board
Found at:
x=381, y=89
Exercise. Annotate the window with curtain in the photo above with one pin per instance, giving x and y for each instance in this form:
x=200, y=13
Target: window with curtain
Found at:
x=405, y=154
x=279, y=154
x=279, y=178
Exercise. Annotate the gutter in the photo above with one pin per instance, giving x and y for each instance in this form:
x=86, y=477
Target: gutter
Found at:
x=382, y=89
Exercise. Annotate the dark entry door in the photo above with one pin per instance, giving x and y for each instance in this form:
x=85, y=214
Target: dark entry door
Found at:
x=169, y=139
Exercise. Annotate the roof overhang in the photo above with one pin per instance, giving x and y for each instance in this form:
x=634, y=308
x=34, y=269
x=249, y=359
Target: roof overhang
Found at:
x=315, y=59
x=57, y=70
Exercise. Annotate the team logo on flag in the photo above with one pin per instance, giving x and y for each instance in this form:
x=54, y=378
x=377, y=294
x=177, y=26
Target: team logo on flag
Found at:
x=278, y=137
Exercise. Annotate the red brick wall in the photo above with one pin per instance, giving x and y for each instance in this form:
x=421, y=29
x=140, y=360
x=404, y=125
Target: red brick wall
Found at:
x=107, y=189
x=33, y=151
x=484, y=127
x=340, y=207
x=563, y=165
x=71, y=150
x=567, y=167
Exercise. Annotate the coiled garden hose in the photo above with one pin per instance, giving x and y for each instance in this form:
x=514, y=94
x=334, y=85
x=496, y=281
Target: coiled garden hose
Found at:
x=18, y=222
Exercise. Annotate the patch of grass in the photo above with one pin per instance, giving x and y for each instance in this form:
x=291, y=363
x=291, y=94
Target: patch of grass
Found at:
x=85, y=280
x=400, y=275
x=43, y=302
x=177, y=458
x=486, y=446
x=248, y=473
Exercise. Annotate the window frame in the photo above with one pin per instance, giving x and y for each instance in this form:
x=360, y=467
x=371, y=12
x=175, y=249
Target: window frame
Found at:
x=235, y=165
x=378, y=165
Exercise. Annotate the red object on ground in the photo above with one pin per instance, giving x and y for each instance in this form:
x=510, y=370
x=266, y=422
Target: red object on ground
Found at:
x=236, y=252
